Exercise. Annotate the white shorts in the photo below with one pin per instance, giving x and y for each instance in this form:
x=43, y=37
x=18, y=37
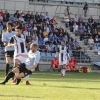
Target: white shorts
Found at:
x=64, y=62
x=20, y=59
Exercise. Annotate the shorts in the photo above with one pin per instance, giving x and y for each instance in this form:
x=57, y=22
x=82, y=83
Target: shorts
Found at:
x=22, y=68
x=65, y=62
x=20, y=59
x=9, y=54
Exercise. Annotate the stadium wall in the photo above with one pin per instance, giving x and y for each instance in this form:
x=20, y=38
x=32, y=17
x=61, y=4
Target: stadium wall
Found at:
x=52, y=8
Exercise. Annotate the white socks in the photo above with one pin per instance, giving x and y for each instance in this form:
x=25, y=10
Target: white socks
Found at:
x=63, y=71
x=27, y=78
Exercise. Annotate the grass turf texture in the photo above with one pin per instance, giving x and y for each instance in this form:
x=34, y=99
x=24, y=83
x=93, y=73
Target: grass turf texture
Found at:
x=50, y=86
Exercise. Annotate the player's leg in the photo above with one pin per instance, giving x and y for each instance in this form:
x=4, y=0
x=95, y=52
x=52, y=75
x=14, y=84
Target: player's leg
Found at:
x=22, y=75
x=8, y=61
x=64, y=70
x=10, y=75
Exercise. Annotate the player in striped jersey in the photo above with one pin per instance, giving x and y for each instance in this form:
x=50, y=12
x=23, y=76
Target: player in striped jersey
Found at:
x=63, y=54
x=19, y=42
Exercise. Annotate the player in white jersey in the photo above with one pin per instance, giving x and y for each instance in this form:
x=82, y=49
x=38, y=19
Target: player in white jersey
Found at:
x=63, y=54
x=19, y=43
x=33, y=58
x=9, y=51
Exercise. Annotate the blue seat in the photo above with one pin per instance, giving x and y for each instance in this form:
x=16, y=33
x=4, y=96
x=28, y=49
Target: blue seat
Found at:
x=53, y=54
x=49, y=55
x=43, y=54
x=99, y=48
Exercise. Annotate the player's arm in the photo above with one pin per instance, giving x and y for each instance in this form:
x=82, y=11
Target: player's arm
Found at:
x=4, y=40
x=23, y=55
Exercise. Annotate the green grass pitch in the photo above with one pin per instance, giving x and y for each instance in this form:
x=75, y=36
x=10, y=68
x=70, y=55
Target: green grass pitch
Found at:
x=50, y=86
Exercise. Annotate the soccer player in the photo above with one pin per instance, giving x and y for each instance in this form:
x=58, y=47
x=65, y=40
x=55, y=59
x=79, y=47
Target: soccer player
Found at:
x=33, y=58
x=63, y=54
x=9, y=51
x=19, y=42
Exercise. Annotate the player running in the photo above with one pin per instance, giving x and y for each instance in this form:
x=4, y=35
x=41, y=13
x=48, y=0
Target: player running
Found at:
x=33, y=58
x=63, y=54
x=19, y=42
x=9, y=51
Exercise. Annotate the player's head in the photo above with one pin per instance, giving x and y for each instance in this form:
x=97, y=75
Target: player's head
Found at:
x=18, y=30
x=33, y=47
x=9, y=26
x=62, y=43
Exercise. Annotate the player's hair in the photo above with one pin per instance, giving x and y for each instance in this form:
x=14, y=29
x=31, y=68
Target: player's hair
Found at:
x=34, y=45
x=18, y=27
x=9, y=23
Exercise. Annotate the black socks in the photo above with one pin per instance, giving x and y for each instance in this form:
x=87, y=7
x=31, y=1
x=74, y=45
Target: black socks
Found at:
x=7, y=69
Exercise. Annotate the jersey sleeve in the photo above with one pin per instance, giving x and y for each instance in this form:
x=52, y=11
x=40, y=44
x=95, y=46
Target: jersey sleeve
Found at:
x=11, y=40
x=4, y=39
x=37, y=58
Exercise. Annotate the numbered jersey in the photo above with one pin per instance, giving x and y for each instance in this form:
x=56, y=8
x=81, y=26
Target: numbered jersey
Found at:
x=20, y=41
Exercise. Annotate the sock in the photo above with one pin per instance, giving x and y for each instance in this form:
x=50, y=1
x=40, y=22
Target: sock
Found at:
x=64, y=70
x=10, y=75
x=7, y=69
x=27, y=78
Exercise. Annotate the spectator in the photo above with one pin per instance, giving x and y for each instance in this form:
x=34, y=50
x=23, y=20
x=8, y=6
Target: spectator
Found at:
x=66, y=19
x=16, y=16
x=81, y=30
x=67, y=11
x=37, y=17
x=55, y=48
x=28, y=16
x=32, y=16
x=22, y=14
x=45, y=33
x=95, y=24
x=76, y=45
x=71, y=23
x=70, y=44
x=65, y=38
x=85, y=38
x=91, y=43
x=90, y=20
x=85, y=8
x=75, y=28
x=80, y=19
x=35, y=38
x=2, y=14
x=1, y=43
x=99, y=21
x=51, y=39
x=53, y=21
x=46, y=39
x=7, y=14
x=1, y=18
x=5, y=19
x=56, y=39
x=60, y=38
x=97, y=41
x=76, y=19
x=41, y=42
x=21, y=18
x=47, y=16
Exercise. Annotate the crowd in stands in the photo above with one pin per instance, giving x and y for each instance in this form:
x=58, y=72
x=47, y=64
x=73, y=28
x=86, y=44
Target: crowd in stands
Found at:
x=89, y=31
x=40, y=29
